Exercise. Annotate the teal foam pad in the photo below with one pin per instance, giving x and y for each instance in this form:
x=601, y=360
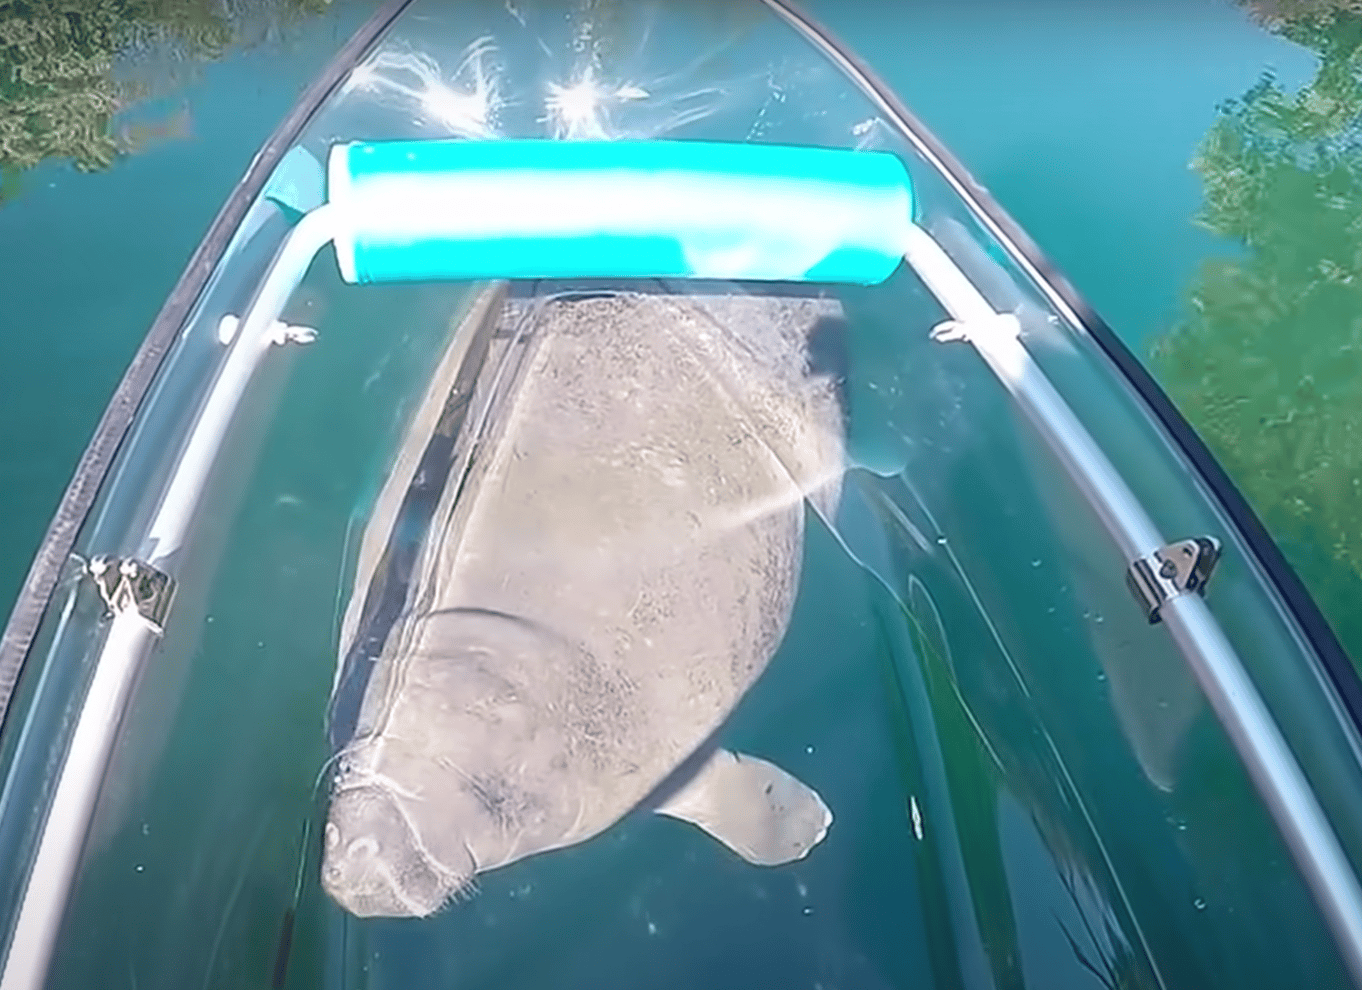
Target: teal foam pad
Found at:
x=431, y=210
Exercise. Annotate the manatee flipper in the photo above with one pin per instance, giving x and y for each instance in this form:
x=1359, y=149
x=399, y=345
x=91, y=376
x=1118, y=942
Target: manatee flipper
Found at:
x=765, y=815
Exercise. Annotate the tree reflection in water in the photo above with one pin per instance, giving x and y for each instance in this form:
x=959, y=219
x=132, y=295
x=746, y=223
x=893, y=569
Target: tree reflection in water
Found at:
x=69, y=68
x=1267, y=359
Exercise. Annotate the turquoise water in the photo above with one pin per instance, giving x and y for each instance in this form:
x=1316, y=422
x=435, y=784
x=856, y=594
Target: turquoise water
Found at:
x=1084, y=121
x=87, y=259
x=1000, y=721
x=1081, y=120
x=1088, y=146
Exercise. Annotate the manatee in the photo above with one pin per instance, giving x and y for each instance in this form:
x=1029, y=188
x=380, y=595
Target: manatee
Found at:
x=609, y=572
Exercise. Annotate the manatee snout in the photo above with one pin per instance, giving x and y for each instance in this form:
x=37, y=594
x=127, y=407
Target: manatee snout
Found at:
x=373, y=864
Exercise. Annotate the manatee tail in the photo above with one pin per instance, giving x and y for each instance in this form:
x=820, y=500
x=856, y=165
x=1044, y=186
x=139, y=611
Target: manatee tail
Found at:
x=761, y=812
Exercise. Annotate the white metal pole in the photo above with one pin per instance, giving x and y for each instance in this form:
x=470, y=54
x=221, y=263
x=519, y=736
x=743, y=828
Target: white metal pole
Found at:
x=73, y=803
x=131, y=636
x=254, y=336
x=1242, y=712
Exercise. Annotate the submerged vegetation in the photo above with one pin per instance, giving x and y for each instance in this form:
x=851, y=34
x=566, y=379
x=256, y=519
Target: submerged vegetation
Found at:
x=69, y=67
x=1267, y=360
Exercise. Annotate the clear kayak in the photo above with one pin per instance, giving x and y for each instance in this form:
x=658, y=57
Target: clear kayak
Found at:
x=612, y=503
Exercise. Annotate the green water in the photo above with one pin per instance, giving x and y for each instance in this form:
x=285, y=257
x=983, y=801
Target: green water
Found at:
x=1083, y=122
x=1081, y=118
x=87, y=258
x=973, y=744
x=1236, y=277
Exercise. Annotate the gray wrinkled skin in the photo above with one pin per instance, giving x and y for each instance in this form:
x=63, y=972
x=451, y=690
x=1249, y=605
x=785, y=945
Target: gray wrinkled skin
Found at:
x=618, y=571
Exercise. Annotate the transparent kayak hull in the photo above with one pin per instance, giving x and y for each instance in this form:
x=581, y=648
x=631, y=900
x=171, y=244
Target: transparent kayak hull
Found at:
x=1073, y=719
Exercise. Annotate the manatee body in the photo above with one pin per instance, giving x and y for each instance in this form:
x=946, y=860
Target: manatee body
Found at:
x=593, y=599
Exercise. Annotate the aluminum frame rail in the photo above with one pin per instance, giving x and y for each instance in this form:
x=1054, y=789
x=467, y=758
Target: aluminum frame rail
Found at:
x=138, y=617
x=1240, y=708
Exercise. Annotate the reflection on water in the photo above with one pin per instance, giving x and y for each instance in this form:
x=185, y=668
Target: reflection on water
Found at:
x=73, y=75
x=1267, y=359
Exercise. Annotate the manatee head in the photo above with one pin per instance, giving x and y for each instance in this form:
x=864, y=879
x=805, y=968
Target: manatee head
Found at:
x=374, y=865
x=481, y=759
